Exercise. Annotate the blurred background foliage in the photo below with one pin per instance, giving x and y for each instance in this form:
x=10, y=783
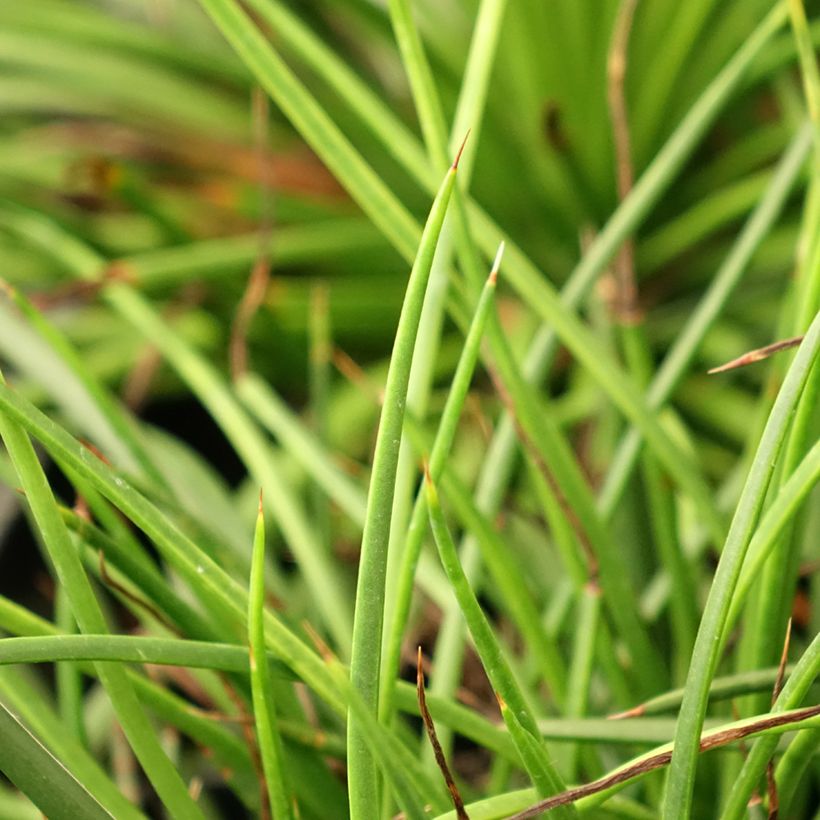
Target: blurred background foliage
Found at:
x=129, y=124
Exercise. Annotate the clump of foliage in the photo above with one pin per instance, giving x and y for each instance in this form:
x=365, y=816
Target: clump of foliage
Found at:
x=443, y=280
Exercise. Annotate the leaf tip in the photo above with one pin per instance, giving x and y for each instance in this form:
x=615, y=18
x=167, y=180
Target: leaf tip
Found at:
x=635, y=711
x=493, y=278
x=321, y=647
x=461, y=150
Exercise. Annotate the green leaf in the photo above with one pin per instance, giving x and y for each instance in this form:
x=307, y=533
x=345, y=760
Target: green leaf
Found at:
x=679, y=788
x=89, y=617
x=40, y=776
x=264, y=704
x=492, y=658
x=369, y=616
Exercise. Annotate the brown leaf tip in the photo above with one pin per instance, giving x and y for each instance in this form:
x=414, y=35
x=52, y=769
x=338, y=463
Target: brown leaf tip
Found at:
x=461, y=150
x=493, y=278
x=757, y=355
x=261, y=494
x=635, y=711
x=321, y=647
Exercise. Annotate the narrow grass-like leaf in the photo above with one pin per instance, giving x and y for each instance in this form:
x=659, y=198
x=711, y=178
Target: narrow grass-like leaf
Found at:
x=89, y=617
x=495, y=665
x=792, y=767
x=320, y=346
x=510, y=585
x=18, y=620
x=310, y=48
x=145, y=578
x=34, y=360
x=399, y=767
x=211, y=389
x=723, y=688
x=264, y=705
x=469, y=116
x=228, y=750
x=135, y=84
x=595, y=793
x=425, y=95
x=658, y=176
x=133, y=649
x=397, y=615
x=777, y=516
x=804, y=675
x=120, y=425
x=472, y=96
x=90, y=25
x=210, y=259
x=328, y=141
x=780, y=572
x=808, y=64
x=706, y=218
x=16, y=693
x=319, y=130
x=495, y=807
x=682, y=28
x=469, y=113
x=222, y=594
x=44, y=647
x=553, y=456
x=678, y=798
x=583, y=657
x=703, y=318
x=369, y=614
x=40, y=776
x=274, y=414
x=177, y=559
x=48, y=648
x=68, y=678
x=535, y=758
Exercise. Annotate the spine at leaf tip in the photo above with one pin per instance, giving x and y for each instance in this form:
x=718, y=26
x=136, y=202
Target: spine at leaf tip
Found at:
x=493, y=277
x=461, y=150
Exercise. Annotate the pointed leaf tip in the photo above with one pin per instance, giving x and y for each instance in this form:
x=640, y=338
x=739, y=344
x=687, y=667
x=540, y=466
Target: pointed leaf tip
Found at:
x=461, y=150
x=757, y=355
x=493, y=278
x=321, y=647
x=261, y=494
